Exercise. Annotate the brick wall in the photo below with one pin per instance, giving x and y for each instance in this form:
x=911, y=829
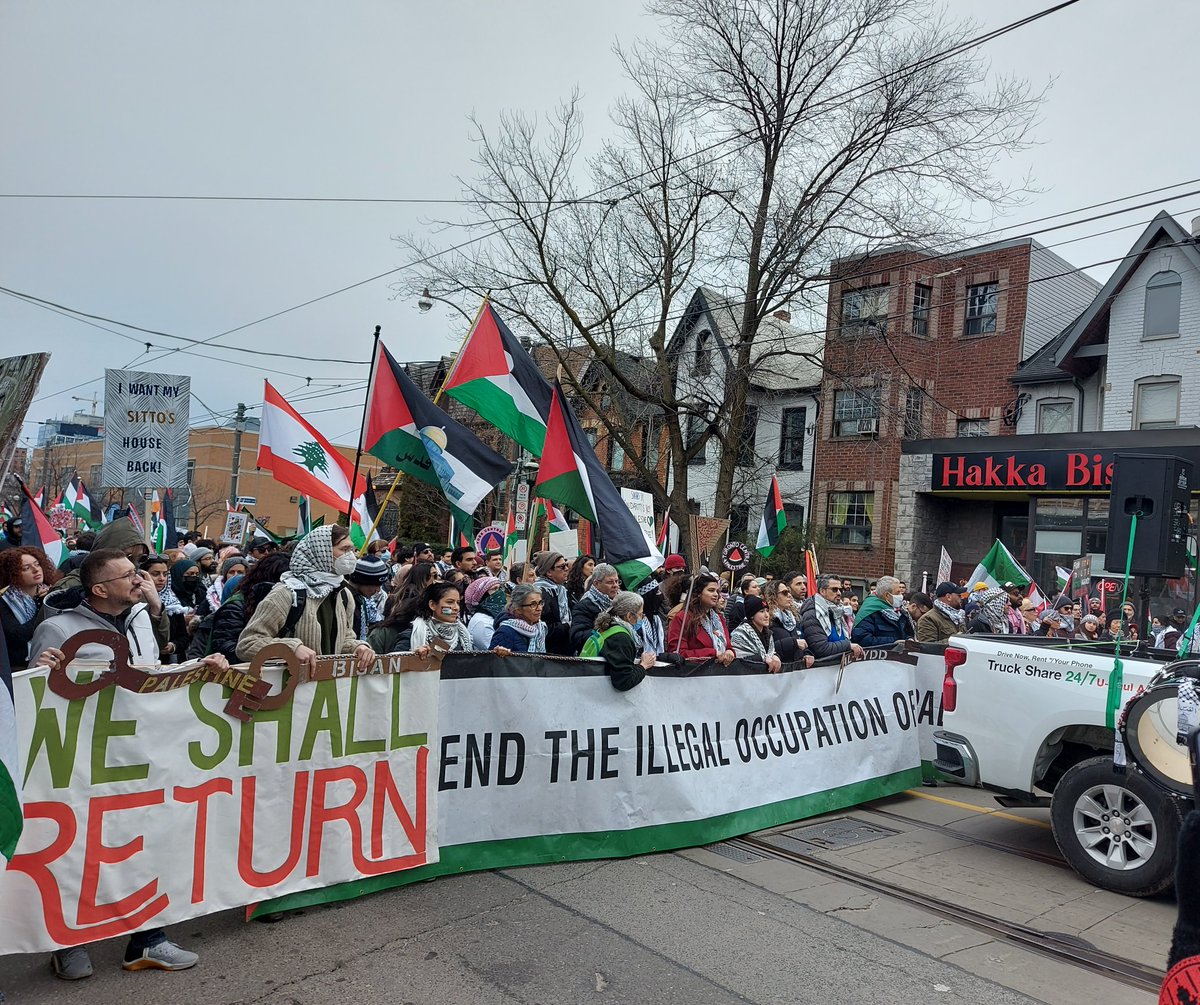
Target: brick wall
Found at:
x=962, y=377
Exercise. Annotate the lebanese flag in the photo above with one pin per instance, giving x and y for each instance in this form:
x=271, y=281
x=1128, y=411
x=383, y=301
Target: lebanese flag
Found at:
x=773, y=520
x=300, y=457
x=408, y=431
x=45, y=536
x=571, y=474
x=495, y=377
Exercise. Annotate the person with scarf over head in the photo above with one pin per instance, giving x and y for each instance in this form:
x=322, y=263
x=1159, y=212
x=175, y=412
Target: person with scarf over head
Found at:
x=992, y=616
x=698, y=630
x=523, y=631
x=882, y=620
x=752, y=639
x=440, y=607
x=552, y=569
x=486, y=602
x=945, y=618
x=620, y=645
x=605, y=584
x=233, y=565
x=320, y=563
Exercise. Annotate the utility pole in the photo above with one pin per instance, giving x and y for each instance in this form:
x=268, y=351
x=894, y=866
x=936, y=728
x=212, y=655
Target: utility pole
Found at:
x=238, y=425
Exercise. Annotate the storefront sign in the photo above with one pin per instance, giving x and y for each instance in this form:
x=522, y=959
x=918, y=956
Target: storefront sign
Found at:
x=1024, y=470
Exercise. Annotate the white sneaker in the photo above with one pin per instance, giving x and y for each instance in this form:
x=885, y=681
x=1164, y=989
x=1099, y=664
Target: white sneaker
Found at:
x=164, y=956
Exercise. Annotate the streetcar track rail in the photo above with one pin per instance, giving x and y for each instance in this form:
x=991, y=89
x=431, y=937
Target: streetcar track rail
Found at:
x=1056, y=946
x=1047, y=858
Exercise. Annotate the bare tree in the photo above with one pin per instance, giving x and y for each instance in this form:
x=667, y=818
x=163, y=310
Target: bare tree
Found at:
x=763, y=140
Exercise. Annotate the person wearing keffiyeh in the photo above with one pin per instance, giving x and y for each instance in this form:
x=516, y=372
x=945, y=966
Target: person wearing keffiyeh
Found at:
x=440, y=620
x=946, y=618
x=523, y=631
x=605, y=584
x=697, y=630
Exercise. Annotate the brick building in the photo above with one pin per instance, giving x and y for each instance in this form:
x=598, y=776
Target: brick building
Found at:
x=921, y=346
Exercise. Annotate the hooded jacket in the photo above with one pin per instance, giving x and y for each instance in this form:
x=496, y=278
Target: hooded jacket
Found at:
x=71, y=615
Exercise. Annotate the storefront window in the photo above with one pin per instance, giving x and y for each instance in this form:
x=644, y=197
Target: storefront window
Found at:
x=1057, y=539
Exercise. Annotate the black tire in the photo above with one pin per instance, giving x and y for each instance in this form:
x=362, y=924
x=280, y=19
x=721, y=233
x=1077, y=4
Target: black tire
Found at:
x=1136, y=855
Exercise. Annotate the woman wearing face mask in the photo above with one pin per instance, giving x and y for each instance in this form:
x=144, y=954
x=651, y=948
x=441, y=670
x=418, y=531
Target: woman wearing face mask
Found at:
x=316, y=582
x=523, y=631
x=752, y=640
x=882, y=620
x=486, y=601
x=618, y=643
x=442, y=603
x=697, y=630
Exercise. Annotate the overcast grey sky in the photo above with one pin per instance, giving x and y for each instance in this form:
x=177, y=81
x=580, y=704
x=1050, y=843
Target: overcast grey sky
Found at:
x=369, y=99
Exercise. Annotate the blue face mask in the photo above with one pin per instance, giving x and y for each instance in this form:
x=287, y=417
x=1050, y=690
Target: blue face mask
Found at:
x=641, y=625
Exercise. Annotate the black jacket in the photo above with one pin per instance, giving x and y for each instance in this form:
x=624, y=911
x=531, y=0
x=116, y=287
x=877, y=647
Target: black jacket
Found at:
x=787, y=644
x=583, y=621
x=17, y=635
x=817, y=636
x=228, y=621
x=622, y=656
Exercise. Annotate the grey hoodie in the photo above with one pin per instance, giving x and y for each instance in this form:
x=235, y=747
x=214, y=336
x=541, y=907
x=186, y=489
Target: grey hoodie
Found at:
x=72, y=615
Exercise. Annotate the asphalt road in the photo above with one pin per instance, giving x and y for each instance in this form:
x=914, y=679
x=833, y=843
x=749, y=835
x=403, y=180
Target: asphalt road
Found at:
x=659, y=929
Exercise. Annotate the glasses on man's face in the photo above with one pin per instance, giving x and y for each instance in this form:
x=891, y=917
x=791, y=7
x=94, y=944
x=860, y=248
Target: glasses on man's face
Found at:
x=130, y=575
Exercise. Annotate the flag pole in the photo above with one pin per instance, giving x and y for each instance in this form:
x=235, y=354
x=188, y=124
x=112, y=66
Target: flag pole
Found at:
x=362, y=429
x=436, y=398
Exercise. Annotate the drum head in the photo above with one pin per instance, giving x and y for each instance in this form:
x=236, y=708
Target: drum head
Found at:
x=1150, y=736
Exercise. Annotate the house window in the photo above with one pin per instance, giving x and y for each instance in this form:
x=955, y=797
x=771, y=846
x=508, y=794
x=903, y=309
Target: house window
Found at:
x=696, y=428
x=791, y=438
x=795, y=516
x=864, y=307
x=1162, y=306
x=652, y=440
x=850, y=517
x=593, y=437
x=981, y=308
x=749, y=434
x=856, y=412
x=616, y=455
x=1156, y=405
x=922, y=298
x=914, y=413
x=972, y=427
x=1055, y=416
x=704, y=354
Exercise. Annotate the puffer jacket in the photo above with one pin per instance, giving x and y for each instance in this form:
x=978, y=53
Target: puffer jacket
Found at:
x=72, y=615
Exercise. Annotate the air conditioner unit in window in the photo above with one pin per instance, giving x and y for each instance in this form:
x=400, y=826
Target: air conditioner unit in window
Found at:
x=868, y=427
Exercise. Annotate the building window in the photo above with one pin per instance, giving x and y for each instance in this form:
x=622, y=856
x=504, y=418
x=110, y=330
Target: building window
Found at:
x=856, y=412
x=791, y=438
x=1162, y=306
x=972, y=427
x=981, y=308
x=795, y=516
x=696, y=428
x=593, y=437
x=914, y=413
x=191, y=469
x=922, y=298
x=749, y=434
x=652, y=441
x=1156, y=405
x=1055, y=416
x=850, y=517
x=616, y=455
x=864, y=307
x=704, y=354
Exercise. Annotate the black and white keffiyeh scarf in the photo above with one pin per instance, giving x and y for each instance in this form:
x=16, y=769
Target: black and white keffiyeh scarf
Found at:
x=955, y=614
x=602, y=600
x=786, y=618
x=536, y=633
x=716, y=631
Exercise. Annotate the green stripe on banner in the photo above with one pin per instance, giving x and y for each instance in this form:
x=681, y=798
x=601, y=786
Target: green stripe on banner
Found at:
x=546, y=848
x=11, y=819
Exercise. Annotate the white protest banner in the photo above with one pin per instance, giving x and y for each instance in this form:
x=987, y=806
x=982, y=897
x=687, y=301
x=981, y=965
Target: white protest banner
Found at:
x=641, y=505
x=146, y=809
x=564, y=767
x=146, y=419
x=944, y=566
x=566, y=542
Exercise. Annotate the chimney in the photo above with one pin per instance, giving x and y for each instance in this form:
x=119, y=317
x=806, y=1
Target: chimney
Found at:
x=1196, y=227
x=786, y=316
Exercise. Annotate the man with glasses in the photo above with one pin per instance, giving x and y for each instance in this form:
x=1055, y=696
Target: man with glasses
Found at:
x=116, y=597
x=823, y=621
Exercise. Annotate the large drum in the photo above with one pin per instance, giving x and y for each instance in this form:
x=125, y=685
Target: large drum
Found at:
x=1152, y=726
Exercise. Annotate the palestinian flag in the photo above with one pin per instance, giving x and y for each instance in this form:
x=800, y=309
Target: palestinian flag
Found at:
x=300, y=457
x=1063, y=577
x=37, y=499
x=158, y=529
x=571, y=474
x=665, y=532
x=364, y=519
x=773, y=520
x=494, y=376
x=11, y=818
x=511, y=537
x=36, y=530
x=408, y=431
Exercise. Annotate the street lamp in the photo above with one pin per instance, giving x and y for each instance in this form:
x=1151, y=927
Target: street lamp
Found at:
x=425, y=302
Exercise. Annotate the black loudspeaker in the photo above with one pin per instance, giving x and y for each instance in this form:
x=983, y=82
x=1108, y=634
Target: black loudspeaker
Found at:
x=1159, y=489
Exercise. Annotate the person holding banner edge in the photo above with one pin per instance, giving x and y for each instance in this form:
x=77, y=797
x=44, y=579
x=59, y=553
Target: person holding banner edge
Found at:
x=110, y=597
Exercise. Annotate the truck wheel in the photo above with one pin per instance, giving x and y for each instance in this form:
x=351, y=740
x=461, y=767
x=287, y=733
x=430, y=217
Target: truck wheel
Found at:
x=1117, y=831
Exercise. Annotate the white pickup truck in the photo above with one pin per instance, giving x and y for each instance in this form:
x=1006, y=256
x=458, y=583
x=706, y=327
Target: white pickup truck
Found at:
x=1025, y=716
